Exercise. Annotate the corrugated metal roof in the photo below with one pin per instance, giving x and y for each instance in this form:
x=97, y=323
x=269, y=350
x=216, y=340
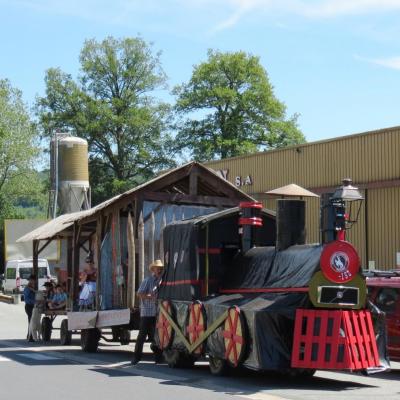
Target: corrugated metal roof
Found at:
x=53, y=227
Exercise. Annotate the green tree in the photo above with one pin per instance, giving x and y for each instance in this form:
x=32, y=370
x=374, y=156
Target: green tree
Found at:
x=111, y=105
x=228, y=108
x=19, y=151
x=18, y=147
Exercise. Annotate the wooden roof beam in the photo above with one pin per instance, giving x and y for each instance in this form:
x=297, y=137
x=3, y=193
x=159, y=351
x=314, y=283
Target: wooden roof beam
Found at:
x=191, y=199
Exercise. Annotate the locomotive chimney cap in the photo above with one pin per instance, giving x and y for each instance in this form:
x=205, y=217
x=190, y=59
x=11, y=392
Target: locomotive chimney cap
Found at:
x=291, y=190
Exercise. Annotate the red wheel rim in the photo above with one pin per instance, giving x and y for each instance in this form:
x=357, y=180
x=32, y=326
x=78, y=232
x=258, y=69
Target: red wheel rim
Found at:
x=196, y=324
x=164, y=328
x=233, y=334
x=339, y=261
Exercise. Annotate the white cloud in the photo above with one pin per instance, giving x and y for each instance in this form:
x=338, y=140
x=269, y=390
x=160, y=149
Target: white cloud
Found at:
x=241, y=8
x=311, y=8
x=389, y=62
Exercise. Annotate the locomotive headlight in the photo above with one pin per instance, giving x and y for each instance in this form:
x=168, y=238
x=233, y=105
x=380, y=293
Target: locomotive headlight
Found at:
x=324, y=293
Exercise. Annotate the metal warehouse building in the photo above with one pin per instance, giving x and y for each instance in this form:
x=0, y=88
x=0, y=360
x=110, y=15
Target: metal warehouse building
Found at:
x=371, y=159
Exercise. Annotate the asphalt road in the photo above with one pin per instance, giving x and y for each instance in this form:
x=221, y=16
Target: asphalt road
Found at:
x=38, y=371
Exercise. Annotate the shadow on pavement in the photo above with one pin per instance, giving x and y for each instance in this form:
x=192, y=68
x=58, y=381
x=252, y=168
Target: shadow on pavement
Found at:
x=113, y=372
x=261, y=381
x=241, y=382
x=392, y=375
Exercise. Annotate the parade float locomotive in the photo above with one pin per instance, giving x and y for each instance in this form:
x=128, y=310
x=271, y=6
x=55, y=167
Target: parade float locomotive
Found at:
x=242, y=287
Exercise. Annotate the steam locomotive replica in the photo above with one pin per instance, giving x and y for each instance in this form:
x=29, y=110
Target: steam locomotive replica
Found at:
x=242, y=288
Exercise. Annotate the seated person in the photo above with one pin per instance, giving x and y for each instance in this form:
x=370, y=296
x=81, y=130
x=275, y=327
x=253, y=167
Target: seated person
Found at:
x=87, y=283
x=48, y=293
x=59, y=300
x=90, y=270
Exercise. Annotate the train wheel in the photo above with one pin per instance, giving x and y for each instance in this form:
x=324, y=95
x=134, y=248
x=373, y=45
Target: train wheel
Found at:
x=218, y=366
x=234, y=336
x=90, y=340
x=196, y=324
x=46, y=328
x=177, y=359
x=65, y=334
x=164, y=329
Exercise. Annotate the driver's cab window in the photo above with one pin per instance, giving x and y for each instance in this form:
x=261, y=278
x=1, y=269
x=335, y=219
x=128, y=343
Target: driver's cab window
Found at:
x=387, y=299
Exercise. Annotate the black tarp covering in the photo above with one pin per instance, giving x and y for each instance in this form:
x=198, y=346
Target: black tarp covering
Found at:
x=185, y=246
x=181, y=279
x=269, y=327
x=270, y=324
x=265, y=267
x=379, y=322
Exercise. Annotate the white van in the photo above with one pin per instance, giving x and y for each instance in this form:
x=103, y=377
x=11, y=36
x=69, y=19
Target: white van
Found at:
x=17, y=273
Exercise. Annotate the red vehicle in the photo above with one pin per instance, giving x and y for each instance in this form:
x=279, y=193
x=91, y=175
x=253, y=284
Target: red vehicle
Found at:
x=384, y=292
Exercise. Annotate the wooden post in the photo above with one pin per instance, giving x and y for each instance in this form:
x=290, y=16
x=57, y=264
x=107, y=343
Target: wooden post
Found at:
x=35, y=263
x=141, y=247
x=207, y=269
x=131, y=264
x=69, y=270
x=152, y=236
x=99, y=239
x=163, y=225
x=193, y=182
x=75, y=269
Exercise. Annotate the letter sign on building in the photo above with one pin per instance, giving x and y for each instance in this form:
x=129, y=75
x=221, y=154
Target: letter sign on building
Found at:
x=246, y=181
x=239, y=181
x=223, y=173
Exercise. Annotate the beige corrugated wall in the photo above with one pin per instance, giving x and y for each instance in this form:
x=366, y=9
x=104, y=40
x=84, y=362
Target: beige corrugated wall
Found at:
x=371, y=159
x=384, y=225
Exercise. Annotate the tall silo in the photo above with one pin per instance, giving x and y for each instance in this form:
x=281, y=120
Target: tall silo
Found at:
x=72, y=175
x=53, y=193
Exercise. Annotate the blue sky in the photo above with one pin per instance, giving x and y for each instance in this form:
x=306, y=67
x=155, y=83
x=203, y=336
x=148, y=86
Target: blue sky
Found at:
x=336, y=63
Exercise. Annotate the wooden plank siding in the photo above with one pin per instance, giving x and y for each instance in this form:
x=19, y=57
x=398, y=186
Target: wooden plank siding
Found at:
x=371, y=159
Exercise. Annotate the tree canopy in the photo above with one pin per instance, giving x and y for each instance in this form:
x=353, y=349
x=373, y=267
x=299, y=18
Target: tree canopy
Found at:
x=228, y=108
x=110, y=105
x=22, y=193
x=18, y=149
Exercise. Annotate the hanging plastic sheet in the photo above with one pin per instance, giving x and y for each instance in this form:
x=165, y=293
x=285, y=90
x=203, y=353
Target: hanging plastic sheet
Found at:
x=164, y=213
x=106, y=289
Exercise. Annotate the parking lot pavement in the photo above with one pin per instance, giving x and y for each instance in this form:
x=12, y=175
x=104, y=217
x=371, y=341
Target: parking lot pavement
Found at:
x=112, y=361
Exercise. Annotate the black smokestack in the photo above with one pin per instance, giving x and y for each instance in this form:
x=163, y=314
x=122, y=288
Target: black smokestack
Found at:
x=290, y=223
x=250, y=219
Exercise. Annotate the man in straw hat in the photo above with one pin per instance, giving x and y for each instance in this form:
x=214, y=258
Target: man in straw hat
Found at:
x=147, y=294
